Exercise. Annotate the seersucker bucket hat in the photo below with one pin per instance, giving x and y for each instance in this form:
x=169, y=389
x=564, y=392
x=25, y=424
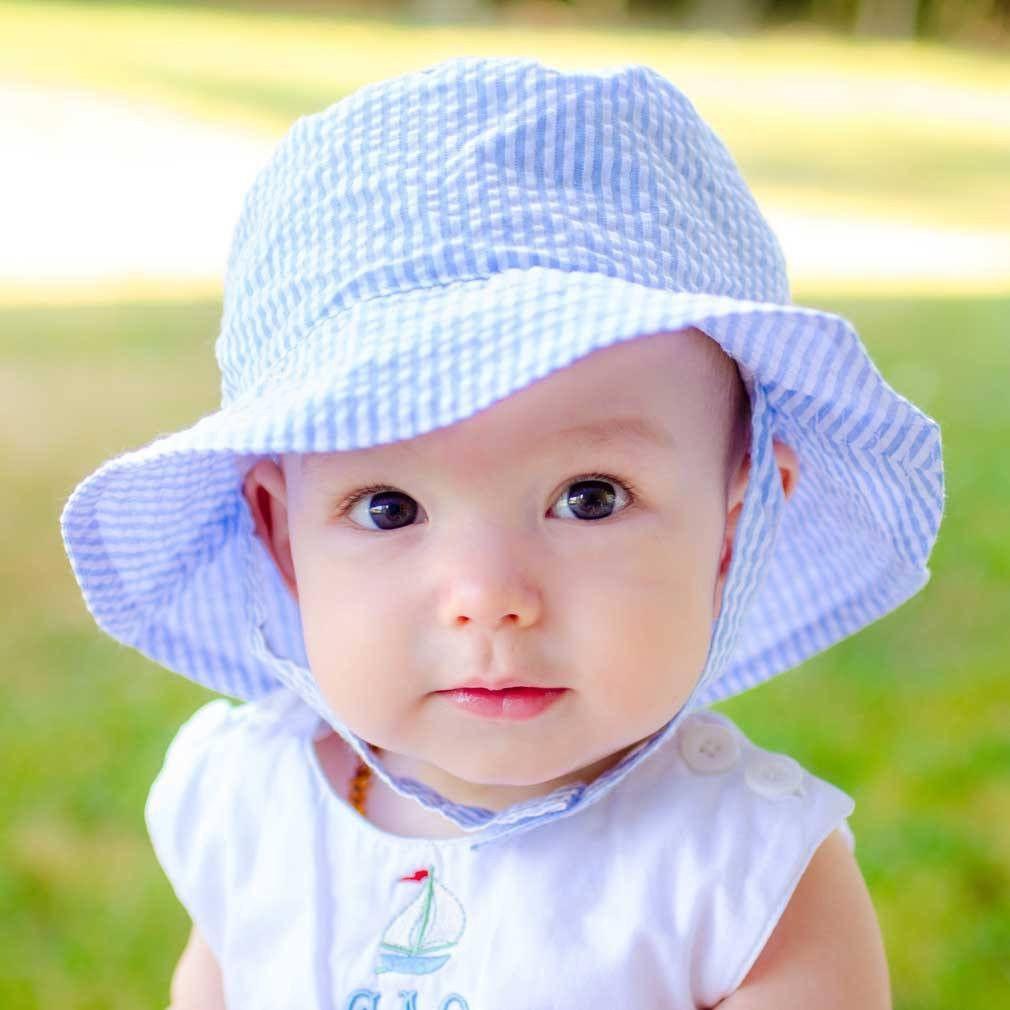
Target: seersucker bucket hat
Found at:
x=433, y=243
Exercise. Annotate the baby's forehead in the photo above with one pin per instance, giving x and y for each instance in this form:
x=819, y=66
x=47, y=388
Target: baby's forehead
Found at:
x=617, y=430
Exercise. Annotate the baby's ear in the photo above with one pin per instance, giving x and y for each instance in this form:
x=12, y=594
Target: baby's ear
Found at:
x=789, y=470
x=265, y=491
x=788, y=464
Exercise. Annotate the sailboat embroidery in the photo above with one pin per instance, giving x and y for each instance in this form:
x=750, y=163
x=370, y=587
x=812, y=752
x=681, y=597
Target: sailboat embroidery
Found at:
x=431, y=923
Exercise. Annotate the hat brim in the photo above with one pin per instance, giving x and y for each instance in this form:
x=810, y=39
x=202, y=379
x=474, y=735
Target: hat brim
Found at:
x=158, y=536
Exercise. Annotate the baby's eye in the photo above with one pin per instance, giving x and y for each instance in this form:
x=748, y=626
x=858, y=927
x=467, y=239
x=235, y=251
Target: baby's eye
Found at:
x=593, y=496
x=388, y=508
x=589, y=498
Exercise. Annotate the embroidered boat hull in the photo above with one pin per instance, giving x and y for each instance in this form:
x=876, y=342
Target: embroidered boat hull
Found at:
x=415, y=965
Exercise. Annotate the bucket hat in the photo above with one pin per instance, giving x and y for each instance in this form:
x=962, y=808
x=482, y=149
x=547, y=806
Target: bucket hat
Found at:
x=433, y=243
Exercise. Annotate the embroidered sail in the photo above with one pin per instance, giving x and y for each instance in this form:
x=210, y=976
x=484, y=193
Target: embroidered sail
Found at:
x=432, y=922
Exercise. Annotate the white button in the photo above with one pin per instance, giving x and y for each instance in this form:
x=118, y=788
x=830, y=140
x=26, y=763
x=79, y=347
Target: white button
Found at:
x=774, y=775
x=708, y=747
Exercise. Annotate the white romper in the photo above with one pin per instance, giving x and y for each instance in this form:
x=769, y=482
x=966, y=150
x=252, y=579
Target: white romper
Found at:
x=660, y=895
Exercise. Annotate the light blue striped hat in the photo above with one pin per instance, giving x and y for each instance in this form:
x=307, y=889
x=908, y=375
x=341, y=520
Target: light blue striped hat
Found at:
x=435, y=242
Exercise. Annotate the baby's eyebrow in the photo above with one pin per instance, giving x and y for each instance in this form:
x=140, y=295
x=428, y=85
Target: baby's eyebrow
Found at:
x=614, y=429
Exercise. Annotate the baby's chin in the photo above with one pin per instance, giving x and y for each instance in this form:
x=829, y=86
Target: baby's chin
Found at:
x=522, y=772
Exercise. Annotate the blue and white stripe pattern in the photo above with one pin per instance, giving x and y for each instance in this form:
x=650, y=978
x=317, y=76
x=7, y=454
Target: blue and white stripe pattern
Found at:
x=435, y=242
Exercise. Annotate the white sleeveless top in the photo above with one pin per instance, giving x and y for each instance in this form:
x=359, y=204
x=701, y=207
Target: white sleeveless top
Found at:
x=661, y=894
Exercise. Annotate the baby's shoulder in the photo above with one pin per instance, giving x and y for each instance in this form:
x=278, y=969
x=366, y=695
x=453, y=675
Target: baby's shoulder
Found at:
x=735, y=797
x=739, y=824
x=205, y=807
x=222, y=751
x=222, y=725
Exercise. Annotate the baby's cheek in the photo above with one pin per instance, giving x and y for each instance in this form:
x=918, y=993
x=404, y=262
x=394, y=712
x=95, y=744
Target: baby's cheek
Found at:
x=646, y=641
x=347, y=655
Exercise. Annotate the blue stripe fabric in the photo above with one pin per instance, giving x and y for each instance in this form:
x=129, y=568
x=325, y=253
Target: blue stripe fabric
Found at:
x=437, y=241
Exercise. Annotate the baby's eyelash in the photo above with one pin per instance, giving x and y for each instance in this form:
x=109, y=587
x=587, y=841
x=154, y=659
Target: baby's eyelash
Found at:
x=628, y=487
x=354, y=497
x=348, y=502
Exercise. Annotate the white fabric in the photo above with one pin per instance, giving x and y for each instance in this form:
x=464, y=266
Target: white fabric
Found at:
x=661, y=894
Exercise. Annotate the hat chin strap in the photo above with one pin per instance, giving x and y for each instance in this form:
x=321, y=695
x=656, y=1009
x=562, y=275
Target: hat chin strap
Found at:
x=286, y=671
x=759, y=519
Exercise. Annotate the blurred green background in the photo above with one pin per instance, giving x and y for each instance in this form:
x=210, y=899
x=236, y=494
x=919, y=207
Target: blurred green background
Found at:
x=910, y=716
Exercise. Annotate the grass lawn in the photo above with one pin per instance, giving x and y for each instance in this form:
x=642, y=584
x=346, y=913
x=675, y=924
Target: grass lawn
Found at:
x=909, y=716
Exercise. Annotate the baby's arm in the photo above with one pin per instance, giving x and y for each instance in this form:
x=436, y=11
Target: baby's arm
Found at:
x=196, y=984
x=826, y=951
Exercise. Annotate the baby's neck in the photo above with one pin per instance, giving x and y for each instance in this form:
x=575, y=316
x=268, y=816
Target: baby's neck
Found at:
x=402, y=815
x=473, y=794
x=384, y=807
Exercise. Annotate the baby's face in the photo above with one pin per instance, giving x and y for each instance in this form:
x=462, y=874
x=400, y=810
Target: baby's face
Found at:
x=515, y=545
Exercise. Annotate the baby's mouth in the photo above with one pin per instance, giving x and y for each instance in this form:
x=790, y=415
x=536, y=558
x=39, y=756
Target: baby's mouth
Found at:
x=509, y=703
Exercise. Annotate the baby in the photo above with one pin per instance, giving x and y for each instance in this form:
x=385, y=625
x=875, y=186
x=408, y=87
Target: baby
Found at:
x=524, y=459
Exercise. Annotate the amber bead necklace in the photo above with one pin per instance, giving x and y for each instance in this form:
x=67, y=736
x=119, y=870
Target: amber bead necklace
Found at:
x=359, y=785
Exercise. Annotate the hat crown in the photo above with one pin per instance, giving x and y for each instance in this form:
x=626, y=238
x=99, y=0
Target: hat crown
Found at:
x=475, y=166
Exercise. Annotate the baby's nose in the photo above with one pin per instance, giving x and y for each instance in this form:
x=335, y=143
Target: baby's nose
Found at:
x=488, y=575
x=491, y=600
